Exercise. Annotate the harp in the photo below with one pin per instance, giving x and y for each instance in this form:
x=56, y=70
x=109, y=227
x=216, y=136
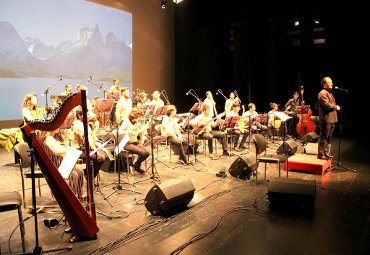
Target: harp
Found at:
x=82, y=221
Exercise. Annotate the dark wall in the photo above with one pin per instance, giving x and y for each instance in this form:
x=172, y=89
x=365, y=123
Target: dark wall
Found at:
x=246, y=46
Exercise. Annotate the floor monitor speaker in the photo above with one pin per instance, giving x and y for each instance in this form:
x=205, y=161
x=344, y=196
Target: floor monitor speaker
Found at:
x=292, y=193
x=169, y=197
x=311, y=137
x=288, y=147
x=243, y=166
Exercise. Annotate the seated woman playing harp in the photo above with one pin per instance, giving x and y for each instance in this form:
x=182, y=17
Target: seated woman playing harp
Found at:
x=54, y=144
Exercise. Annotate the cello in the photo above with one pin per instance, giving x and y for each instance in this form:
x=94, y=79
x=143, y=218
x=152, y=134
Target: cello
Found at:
x=304, y=125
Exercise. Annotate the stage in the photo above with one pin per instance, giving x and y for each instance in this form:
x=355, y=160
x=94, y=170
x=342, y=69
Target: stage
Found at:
x=225, y=215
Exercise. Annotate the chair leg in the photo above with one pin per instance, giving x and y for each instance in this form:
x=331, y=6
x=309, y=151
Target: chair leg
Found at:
x=21, y=227
x=23, y=194
x=39, y=187
x=265, y=170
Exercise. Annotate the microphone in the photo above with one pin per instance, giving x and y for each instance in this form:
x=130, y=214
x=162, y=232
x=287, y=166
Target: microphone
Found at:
x=344, y=90
x=61, y=78
x=187, y=93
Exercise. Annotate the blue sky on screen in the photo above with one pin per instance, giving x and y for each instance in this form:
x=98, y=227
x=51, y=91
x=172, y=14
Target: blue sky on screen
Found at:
x=54, y=21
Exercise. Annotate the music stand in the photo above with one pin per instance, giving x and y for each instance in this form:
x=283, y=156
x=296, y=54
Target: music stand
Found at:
x=195, y=109
x=114, y=95
x=103, y=106
x=153, y=140
x=230, y=123
x=186, y=127
x=118, y=147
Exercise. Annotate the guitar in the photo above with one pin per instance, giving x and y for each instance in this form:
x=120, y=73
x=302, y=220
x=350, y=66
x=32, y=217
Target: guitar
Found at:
x=199, y=129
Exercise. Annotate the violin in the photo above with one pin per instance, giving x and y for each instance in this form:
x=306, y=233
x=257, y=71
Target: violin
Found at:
x=304, y=125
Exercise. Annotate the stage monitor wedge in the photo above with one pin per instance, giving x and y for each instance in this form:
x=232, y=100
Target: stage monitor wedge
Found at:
x=291, y=194
x=169, y=197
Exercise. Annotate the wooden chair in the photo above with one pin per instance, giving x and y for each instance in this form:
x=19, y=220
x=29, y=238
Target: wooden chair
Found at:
x=260, y=144
x=22, y=150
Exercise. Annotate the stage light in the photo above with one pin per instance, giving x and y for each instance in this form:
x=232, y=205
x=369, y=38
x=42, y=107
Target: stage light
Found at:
x=177, y=1
x=164, y=4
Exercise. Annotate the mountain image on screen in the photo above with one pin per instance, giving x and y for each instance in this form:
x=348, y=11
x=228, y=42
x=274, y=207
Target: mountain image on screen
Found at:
x=91, y=52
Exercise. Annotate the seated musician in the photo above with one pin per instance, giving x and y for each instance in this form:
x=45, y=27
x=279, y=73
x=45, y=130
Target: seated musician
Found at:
x=203, y=125
x=132, y=128
x=291, y=110
x=230, y=101
x=55, y=143
x=67, y=90
x=274, y=123
x=124, y=105
x=92, y=117
x=30, y=110
x=251, y=118
x=239, y=127
x=76, y=138
x=141, y=99
x=171, y=129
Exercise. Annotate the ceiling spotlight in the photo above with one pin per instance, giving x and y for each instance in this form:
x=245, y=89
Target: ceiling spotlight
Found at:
x=164, y=4
x=177, y=1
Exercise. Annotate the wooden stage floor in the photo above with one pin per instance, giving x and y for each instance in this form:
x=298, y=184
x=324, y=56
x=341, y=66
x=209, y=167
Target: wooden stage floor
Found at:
x=225, y=216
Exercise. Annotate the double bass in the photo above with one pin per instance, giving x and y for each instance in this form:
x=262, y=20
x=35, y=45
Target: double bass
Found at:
x=304, y=125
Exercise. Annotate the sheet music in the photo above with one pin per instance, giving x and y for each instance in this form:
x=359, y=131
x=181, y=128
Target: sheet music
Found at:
x=68, y=162
x=122, y=143
x=283, y=116
x=101, y=146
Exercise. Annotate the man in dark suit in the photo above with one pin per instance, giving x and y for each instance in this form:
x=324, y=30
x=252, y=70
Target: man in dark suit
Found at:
x=328, y=117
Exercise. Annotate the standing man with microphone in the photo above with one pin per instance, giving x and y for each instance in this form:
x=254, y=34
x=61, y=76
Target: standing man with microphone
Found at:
x=327, y=118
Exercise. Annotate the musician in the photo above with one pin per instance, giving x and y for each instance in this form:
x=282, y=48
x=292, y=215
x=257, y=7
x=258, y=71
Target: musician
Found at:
x=76, y=139
x=29, y=107
x=141, y=99
x=92, y=117
x=239, y=127
x=251, y=117
x=171, y=129
x=55, y=143
x=157, y=101
x=327, y=118
x=274, y=123
x=204, y=123
x=124, y=105
x=132, y=127
x=212, y=104
x=230, y=101
x=67, y=90
x=114, y=88
x=291, y=110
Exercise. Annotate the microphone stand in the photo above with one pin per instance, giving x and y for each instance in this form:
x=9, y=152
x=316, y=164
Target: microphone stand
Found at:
x=340, y=135
x=164, y=94
x=45, y=93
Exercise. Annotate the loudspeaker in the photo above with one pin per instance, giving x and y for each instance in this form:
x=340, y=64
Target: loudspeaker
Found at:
x=311, y=137
x=288, y=147
x=169, y=197
x=244, y=166
x=286, y=193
